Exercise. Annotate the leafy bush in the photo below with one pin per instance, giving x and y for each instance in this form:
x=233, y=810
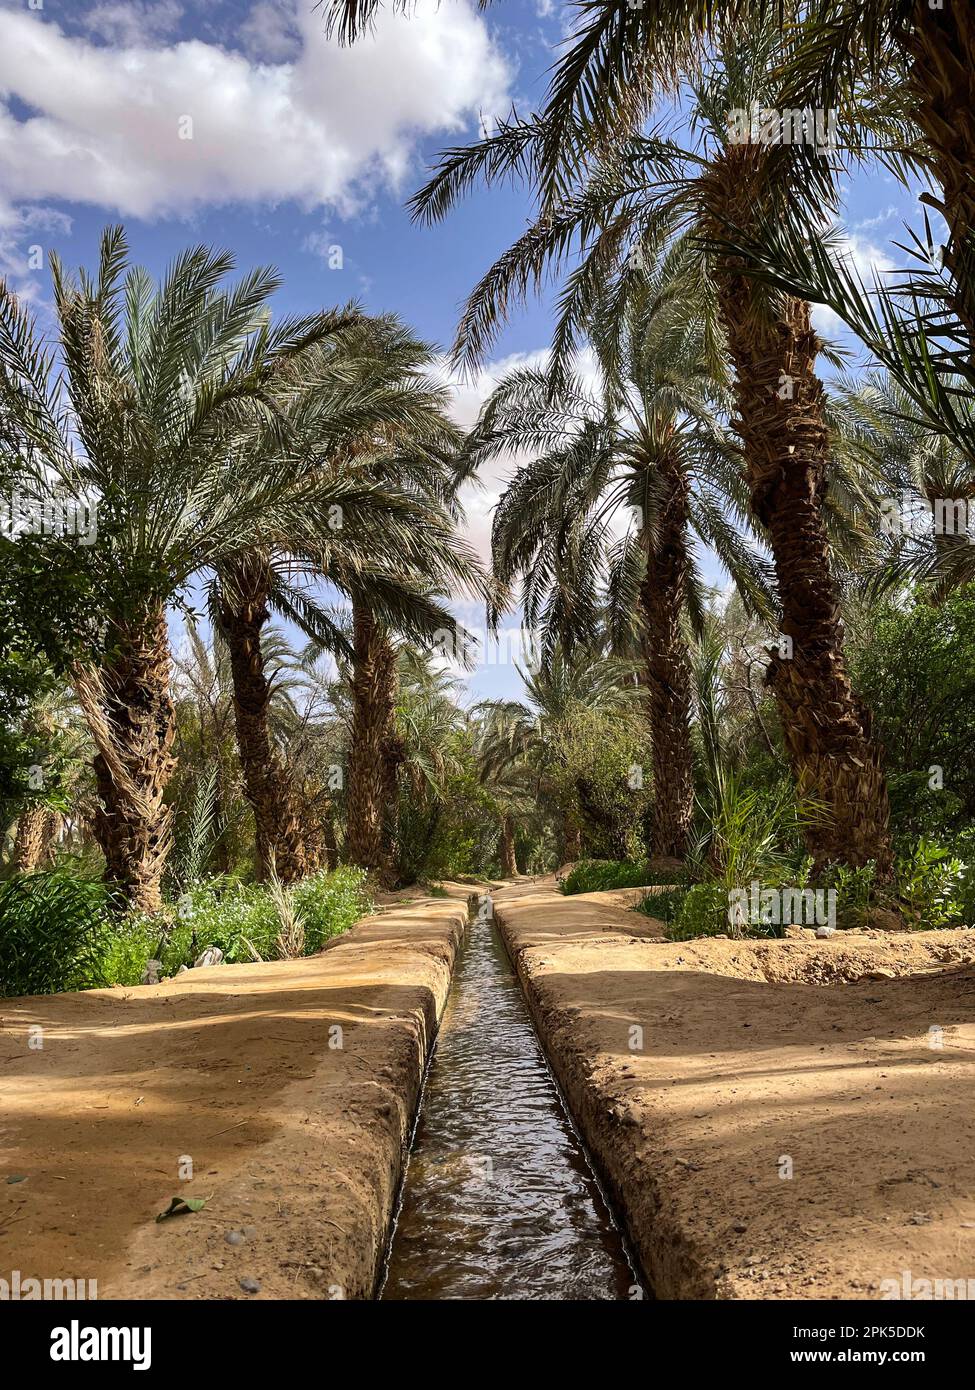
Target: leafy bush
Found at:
x=965, y=891
x=244, y=920
x=57, y=931
x=702, y=912
x=665, y=907
x=601, y=875
x=591, y=757
x=129, y=943
x=917, y=674
x=52, y=927
x=931, y=882
x=917, y=808
x=330, y=903
x=855, y=891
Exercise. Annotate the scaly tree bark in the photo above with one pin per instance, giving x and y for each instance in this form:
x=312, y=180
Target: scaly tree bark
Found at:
x=779, y=399
x=571, y=838
x=130, y=714
x=667, y=669
x=372, y=746
x=243, y=613
x=37, y=827
x=509, y=859
x=940, y=47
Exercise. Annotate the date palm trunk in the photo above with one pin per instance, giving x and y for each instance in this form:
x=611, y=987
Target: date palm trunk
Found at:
x=509, y=859
x=939, y=45
x=37, y=828
x=571, y=838
x=373, y=746
x=243, y=613
x=835, y=761
x=129, y=710
x=667, y=673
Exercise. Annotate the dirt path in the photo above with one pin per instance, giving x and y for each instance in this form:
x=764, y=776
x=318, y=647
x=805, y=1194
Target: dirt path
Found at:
x=296, y=1141
x=757, y=1060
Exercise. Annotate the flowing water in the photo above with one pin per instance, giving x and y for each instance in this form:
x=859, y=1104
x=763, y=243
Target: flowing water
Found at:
x=499, y=1200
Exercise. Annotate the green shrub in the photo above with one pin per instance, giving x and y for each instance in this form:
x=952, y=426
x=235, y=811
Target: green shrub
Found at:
x=129, y=943
x=601, y=875
x=665, y=907
x=57, y=931
x=855, y=891
x=933, y=884
x=917, y=808
x=917, y=675
x=753, y=833
x=242, y=919
x=52, y=927
x=330, y=903
x=703, y=912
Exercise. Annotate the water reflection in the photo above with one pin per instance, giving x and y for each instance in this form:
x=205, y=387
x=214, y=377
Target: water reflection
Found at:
x=499, y=1201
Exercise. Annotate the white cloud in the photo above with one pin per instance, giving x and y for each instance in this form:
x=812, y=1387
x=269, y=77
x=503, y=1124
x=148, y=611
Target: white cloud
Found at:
x=469, y=394
x=869, y=262
x=22, y=255
x=330, y=128
x=133, y=22
x=869, y=223
x=270, y=33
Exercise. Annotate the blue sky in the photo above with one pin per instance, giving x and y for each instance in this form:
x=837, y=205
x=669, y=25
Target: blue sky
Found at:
x=296, y=147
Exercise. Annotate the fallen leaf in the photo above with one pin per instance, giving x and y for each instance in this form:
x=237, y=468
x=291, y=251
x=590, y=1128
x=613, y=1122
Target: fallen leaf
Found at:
x=179, y=1206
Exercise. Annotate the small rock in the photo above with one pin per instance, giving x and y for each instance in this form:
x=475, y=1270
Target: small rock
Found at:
x=211, y=956
x=249, y=1284
x=884, y=919
x=823, y=933
x=234, y=1238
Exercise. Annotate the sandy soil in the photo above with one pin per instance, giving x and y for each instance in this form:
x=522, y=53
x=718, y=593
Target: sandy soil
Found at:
x=297, y=1144
x=758, y=1060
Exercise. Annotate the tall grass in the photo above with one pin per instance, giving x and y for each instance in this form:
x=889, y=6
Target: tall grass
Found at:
x=60, y=932
x=52, y=930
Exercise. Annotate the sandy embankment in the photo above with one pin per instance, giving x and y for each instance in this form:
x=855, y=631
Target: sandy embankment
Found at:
x=297, y=1144
x=758, y=1060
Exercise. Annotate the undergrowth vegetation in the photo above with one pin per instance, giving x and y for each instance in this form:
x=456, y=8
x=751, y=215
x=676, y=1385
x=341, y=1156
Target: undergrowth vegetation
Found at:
x=61, y=932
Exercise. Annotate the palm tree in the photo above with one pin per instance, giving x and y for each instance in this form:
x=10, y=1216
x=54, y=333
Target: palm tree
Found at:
x=159, y=406
x=508, y=782
x=608, y=206
x=524, y=738
x=928, y=517
x=652, y=445
x=914, y=59
x=206, y=742
x=384, y=553
x=413, y=448
x=428, y=726
x=918, y=56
